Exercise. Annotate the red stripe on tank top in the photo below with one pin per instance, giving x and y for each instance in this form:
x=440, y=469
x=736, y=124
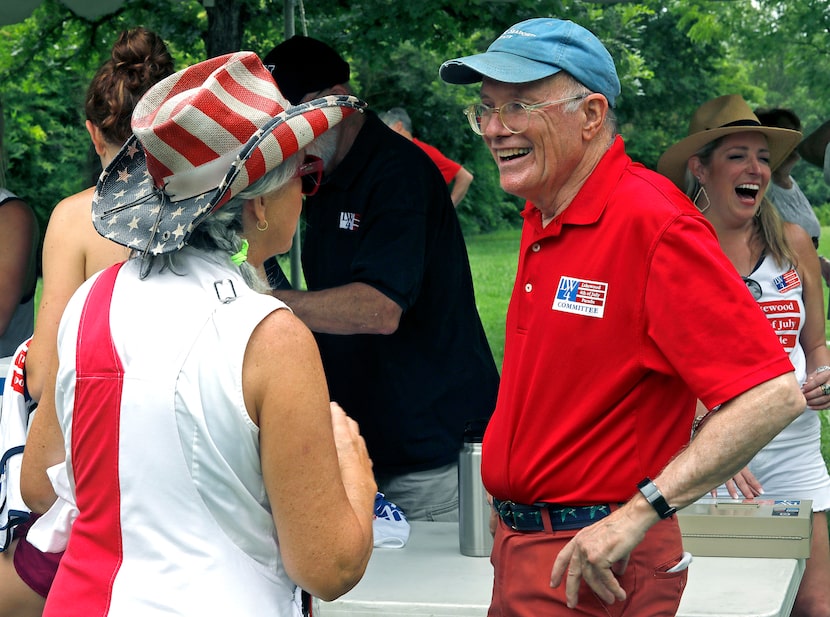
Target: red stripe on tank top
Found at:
x=84, y=583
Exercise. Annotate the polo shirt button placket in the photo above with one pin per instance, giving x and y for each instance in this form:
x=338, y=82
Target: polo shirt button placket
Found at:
x=528, y=287
x=536, y=247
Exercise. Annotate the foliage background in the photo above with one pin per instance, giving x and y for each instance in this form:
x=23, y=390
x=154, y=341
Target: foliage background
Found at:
x=671, y=56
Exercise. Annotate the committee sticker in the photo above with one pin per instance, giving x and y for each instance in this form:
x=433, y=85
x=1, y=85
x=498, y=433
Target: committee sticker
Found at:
x=581, y=297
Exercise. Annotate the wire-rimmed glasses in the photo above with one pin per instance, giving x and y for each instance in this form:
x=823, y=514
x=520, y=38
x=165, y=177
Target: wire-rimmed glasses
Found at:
x=514, y=116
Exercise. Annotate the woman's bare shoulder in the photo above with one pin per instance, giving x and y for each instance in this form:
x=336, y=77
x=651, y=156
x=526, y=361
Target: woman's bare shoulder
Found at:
x=71, y=230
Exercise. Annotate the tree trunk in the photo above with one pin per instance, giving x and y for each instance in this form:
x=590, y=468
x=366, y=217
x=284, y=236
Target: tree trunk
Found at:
x=225, y=24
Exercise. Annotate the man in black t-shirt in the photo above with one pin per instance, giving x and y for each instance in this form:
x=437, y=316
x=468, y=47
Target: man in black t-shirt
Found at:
x=390, y=294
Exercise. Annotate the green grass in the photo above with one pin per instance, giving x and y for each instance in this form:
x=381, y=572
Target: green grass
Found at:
x=493, y=261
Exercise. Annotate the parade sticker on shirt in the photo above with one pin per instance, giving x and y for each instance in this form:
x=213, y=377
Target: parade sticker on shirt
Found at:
x=787, y=281
x=784, y=317
x=349, y=221
x=581, y=297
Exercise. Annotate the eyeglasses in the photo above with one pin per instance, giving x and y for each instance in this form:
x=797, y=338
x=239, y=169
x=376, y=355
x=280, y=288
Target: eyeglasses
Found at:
x=311, y=174
x=514, y=116
x=754, y=287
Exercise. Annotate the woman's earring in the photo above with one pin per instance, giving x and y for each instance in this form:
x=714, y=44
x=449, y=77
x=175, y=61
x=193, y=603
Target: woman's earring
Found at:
x=701, y=192
x=265, y=227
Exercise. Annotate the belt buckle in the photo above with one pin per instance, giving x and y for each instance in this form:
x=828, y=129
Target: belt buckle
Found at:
x=519, y=519
x=506, y=513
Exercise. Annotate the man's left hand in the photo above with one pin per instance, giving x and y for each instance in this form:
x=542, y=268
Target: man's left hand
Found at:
x=598, y=554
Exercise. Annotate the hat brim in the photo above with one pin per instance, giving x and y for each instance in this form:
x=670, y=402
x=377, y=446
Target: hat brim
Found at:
x=128, y=209
x=674, y=161
x=501, y=66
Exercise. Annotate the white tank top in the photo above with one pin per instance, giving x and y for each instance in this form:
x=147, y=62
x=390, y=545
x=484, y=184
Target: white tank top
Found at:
x=196, y=530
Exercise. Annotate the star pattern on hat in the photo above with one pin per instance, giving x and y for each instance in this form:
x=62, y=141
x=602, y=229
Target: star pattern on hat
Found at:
x=124, y=175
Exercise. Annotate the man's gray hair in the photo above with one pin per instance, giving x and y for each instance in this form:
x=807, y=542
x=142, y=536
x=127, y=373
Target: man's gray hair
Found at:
x=397, y=114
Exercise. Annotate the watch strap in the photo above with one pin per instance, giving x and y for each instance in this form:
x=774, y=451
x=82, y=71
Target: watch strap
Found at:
x=653, y=495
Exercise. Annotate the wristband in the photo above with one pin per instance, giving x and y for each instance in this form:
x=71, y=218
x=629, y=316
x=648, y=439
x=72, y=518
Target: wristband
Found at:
x=655, y=498
x=822, y=368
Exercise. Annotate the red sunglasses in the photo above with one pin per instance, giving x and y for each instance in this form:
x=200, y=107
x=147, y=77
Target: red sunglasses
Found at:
x=311, y=174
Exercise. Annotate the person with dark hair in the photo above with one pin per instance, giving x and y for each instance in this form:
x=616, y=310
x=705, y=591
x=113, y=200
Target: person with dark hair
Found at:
x=607, y=348
x=731, y=156
x=389, y=294
x=455, y=174
x=72, y=252
x=195, y=442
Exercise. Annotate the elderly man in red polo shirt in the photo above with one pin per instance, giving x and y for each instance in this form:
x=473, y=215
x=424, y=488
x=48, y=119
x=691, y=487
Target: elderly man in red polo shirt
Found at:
x=624, y=313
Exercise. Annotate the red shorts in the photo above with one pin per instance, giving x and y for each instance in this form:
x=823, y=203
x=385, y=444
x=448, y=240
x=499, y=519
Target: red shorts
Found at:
x=523, y=563
x=34, y=567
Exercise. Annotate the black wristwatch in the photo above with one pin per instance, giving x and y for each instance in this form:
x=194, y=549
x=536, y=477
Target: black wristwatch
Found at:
x=655, y=498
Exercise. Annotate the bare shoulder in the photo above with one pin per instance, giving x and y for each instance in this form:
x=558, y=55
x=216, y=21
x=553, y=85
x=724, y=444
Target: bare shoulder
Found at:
x=799, y=240
x=72, y=209
x=282, y=335
x=71, y=234
x=16, y=212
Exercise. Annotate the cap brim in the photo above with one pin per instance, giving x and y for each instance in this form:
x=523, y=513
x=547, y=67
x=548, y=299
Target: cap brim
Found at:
x=498, y=65
x=674, y=161
x=129, y=210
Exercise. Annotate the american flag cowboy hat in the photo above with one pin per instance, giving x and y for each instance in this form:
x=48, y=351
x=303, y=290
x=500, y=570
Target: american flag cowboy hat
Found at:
x=200, y=137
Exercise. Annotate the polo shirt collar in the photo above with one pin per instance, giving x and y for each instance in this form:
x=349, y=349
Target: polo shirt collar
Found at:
x=589, y=203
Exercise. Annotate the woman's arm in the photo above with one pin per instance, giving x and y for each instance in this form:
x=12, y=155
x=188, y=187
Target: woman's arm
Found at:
x=44, y=448
x=813, y=338
x=316, y=469
x=63, y=273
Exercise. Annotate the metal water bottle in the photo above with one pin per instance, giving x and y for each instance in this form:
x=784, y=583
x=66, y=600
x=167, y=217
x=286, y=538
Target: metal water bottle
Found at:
x=474, y=537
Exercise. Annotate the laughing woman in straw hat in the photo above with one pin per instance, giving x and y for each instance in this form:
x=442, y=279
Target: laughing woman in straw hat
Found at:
x=193, y=421
x=725, y=165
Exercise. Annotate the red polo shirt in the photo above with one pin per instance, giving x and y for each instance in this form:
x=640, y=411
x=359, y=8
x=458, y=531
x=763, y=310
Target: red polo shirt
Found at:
x=446, y=166
x=623, y=313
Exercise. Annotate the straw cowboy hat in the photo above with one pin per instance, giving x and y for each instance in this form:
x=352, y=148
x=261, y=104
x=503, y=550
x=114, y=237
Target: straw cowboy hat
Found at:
x=716, y=118
x=200, y=137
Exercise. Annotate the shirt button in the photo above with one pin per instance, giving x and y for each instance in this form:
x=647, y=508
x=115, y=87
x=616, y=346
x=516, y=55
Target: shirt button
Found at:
x=536, y=247
x=528, y=287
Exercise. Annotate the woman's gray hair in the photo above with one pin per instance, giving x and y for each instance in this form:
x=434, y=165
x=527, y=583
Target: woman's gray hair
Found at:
x=220, y=230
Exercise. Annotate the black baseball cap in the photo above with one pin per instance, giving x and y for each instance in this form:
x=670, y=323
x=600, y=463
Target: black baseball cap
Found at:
x=303, y=65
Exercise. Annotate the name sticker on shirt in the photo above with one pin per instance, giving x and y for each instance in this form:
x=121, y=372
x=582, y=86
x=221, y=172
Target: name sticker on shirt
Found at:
x=788, y=280
x=581, y=297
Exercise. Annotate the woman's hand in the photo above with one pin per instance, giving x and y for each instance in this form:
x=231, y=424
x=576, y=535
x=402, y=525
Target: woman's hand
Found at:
x=817, y=388
x=744, y=482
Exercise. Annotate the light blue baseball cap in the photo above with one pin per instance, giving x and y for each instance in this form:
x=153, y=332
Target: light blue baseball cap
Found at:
x=538, y=48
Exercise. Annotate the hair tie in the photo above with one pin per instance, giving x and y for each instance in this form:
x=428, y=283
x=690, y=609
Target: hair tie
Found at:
x=241, y=256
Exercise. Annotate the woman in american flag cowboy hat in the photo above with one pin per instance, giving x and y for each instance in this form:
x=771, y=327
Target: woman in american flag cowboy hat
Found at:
x=195, y=446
